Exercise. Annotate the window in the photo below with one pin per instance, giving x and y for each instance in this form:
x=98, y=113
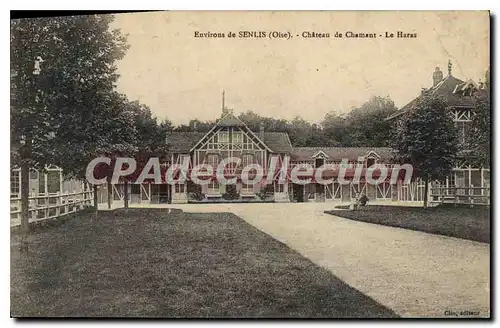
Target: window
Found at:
x=246, y=159
x=213, y=186
x=451, y=180
x=182, y=158
x=14, y=184
x=450, y=183
x=41, y=184
x=135, y=188
x=279, y=187
x=463, y=131
x=179, y=188
x=223, y=137
x=237, y=137
x=370, y=162
x=246, y=188
x=53, y=182
x=213, y=160
x=33, y=174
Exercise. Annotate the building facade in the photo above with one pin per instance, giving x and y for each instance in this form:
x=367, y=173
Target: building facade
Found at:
x=459, y=97
x=230, y=137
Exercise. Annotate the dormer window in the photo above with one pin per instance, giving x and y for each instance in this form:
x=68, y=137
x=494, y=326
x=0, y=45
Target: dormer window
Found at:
x=319, y=162
x=370, y=162
x=319, y=158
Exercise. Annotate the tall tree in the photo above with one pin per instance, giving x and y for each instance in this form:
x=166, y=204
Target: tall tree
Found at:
x=426, y=138
x=62, y=77
x=480, y=133
x=364, y=126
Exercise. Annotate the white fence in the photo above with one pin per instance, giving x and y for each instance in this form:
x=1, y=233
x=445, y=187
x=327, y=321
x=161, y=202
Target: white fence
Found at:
x=43, y=207
x=460, y=195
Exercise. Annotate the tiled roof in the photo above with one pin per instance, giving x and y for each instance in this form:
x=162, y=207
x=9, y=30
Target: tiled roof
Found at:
x=182, y=142
x=447, y=89
x=230, y=120
x=278, y=142
x=339, y=153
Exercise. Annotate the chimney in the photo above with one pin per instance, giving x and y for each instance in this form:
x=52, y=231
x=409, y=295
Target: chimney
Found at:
x=437, y=76
x=261, y=131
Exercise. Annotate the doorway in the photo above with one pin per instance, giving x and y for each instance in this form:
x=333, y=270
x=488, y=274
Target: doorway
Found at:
x=160, y=193
x=298, y=193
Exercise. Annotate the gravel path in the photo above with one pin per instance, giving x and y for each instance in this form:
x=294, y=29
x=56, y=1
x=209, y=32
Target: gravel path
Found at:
x=414, y=273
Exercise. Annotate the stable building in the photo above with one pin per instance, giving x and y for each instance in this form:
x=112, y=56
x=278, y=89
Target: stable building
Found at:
x=230, y=137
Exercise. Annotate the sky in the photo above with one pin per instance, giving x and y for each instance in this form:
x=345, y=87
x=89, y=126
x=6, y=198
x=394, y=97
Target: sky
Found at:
x=181, y=77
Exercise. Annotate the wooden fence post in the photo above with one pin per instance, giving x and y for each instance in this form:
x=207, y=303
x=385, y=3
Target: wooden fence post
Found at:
x=429, y=193
x=110, y=194
x=58, y=204
x=47, y=202
x=34, y=213
x=66, y=207
x=471, y=195
x=96, y=204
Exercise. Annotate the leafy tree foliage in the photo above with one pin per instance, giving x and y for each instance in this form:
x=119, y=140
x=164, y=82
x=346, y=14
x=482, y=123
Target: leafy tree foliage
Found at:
x=362, y=126
x=426, y=138
x=480, y=133
x=195, y=126
x=64, y=107
x=71, y=97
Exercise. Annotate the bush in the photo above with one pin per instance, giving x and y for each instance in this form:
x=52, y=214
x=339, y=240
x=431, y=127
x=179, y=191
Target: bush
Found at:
x=266, y=192
x=231, y=193
x=197, y=194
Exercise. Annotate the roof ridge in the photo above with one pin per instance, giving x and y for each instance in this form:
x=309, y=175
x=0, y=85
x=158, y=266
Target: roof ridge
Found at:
x=185, y=132
x=338, y=147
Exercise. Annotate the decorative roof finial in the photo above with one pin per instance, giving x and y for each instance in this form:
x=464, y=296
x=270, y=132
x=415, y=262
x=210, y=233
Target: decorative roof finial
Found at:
x=223, y=100
x=449, y=67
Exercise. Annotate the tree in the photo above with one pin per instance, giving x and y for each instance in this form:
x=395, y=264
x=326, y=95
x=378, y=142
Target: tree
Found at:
x=195, y=126
x=364, y=126
x=426, y=138
x=62, y=78
x=336, y=128
x=132, y=132
x=480, y=132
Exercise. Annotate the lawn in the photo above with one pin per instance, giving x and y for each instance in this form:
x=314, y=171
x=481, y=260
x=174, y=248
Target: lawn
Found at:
x=462, y=222
x=148, y=263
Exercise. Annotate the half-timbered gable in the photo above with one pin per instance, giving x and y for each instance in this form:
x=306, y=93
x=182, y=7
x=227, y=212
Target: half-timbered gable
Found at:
x=230, y=138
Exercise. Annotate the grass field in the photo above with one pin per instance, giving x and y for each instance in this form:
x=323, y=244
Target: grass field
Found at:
x=462, y=222
x=147, y=263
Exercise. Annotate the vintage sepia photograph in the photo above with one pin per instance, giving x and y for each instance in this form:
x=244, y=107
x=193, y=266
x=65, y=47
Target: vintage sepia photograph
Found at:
x=250, y=164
